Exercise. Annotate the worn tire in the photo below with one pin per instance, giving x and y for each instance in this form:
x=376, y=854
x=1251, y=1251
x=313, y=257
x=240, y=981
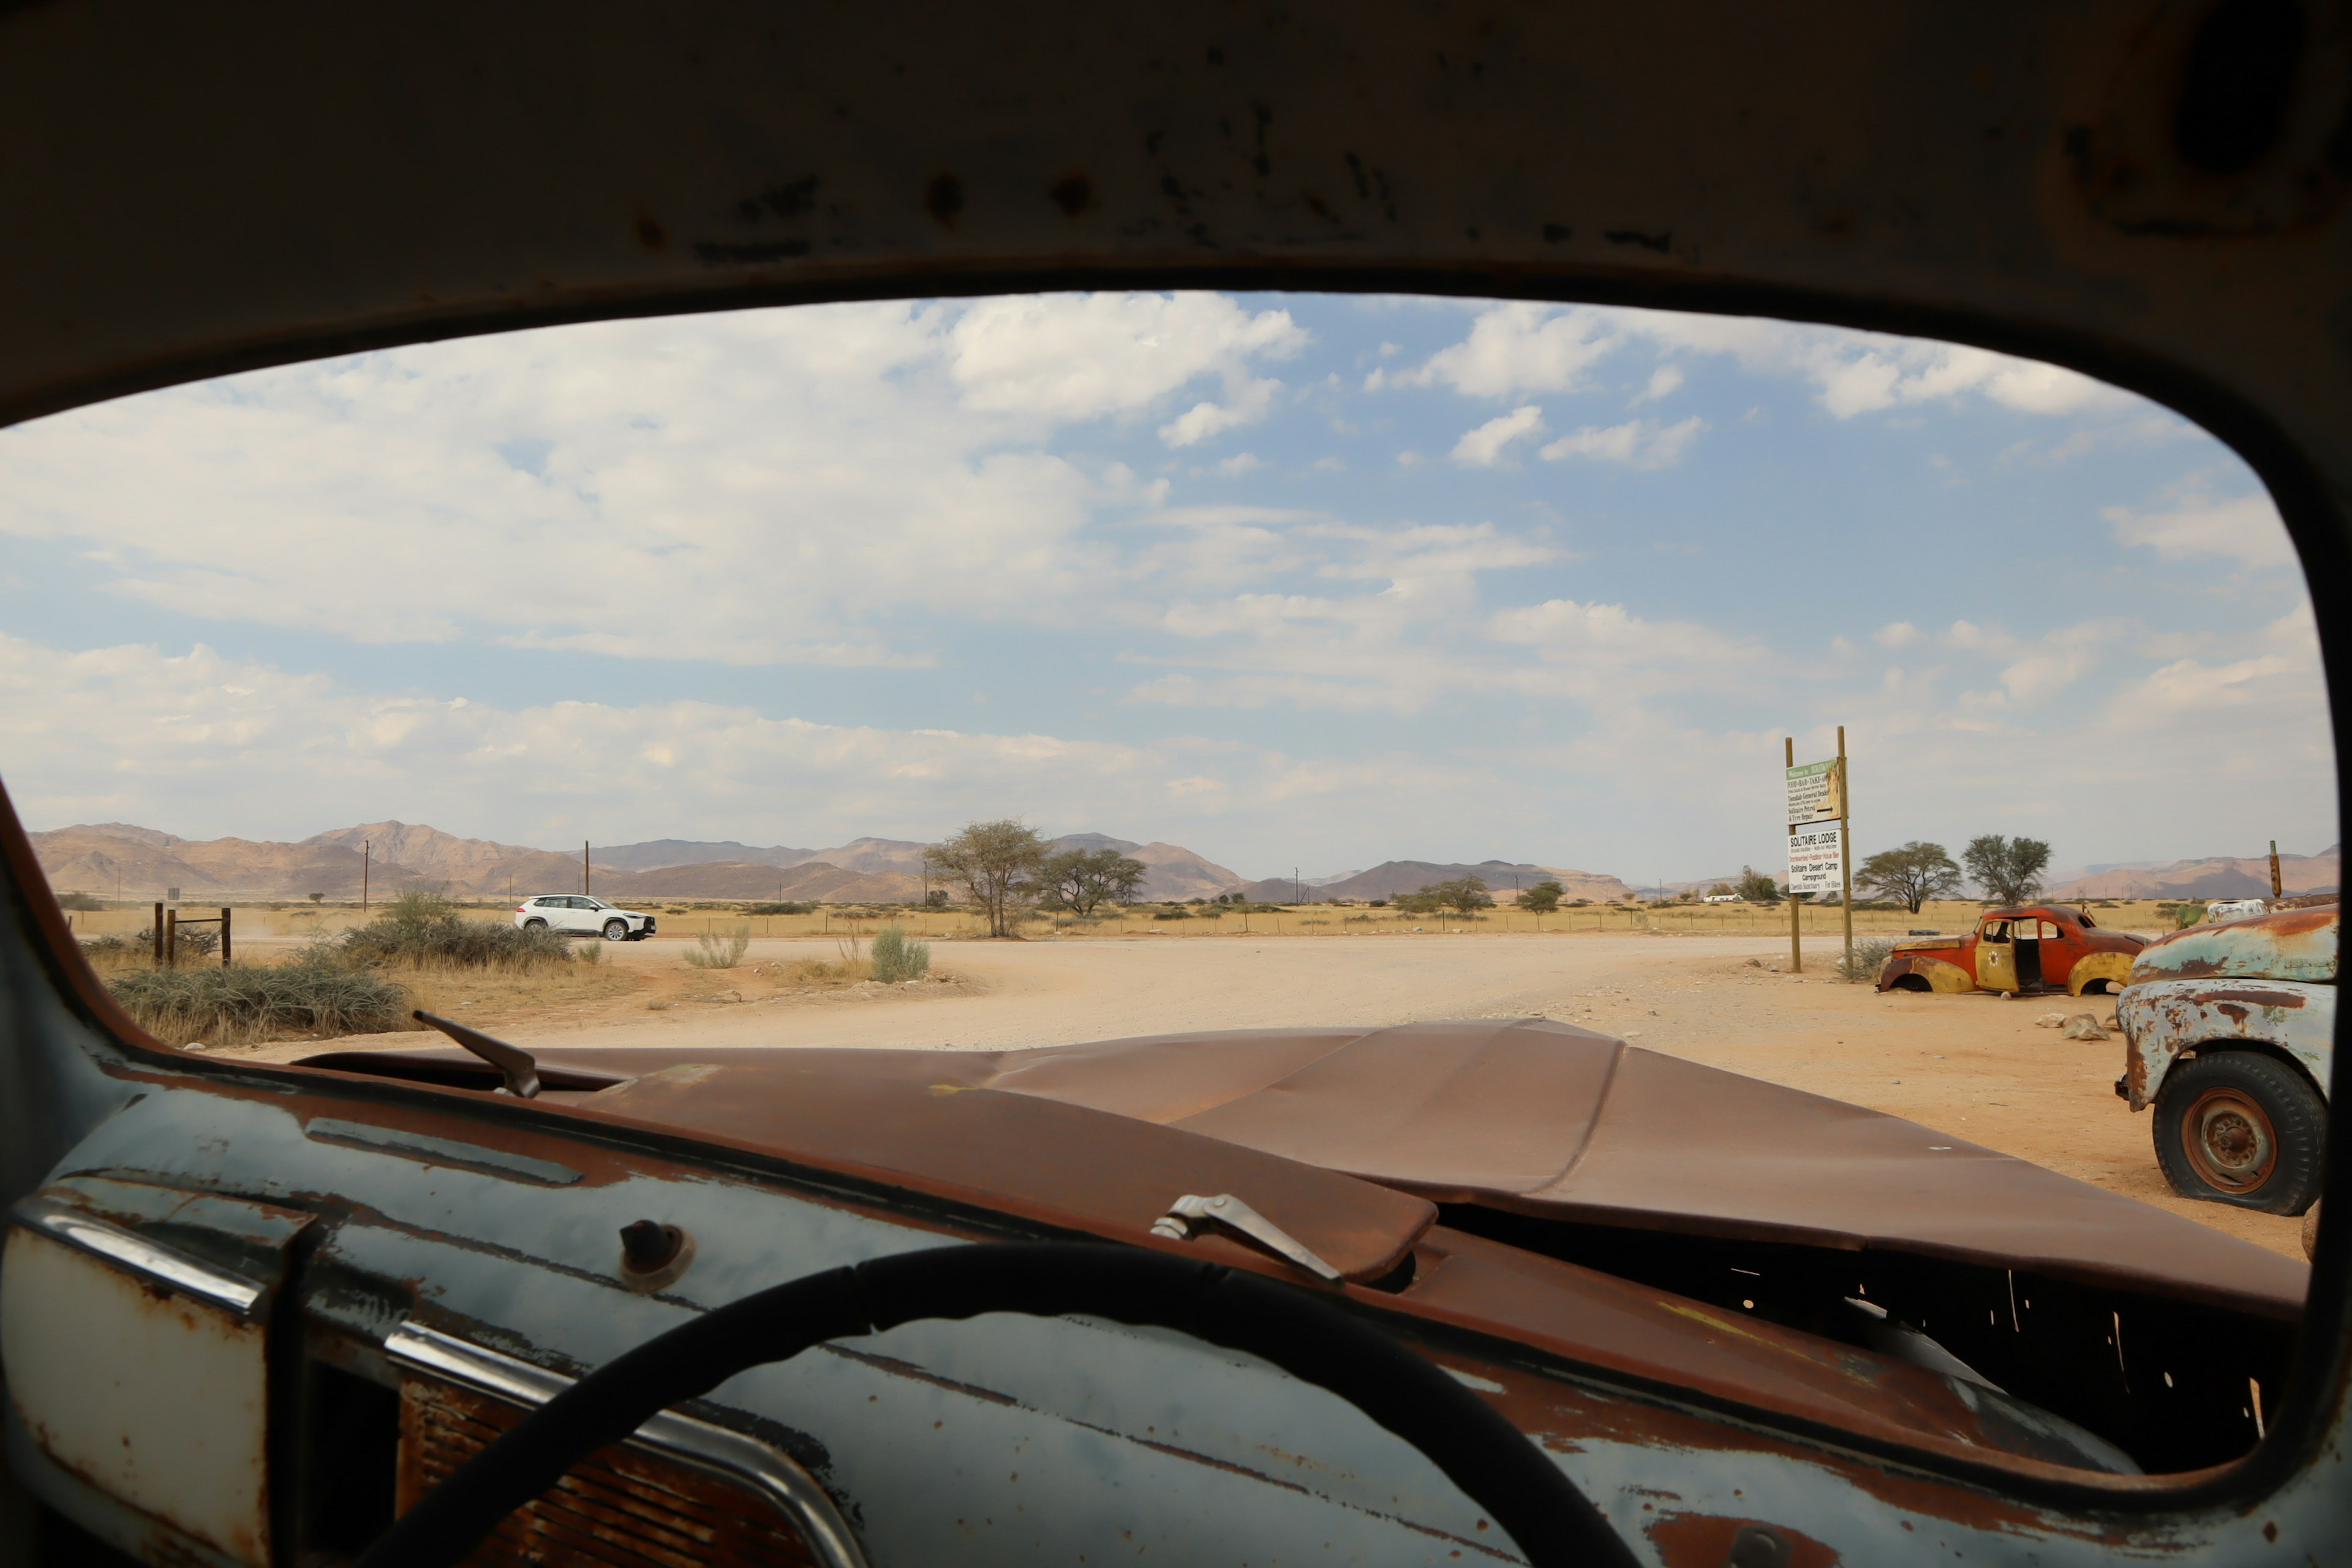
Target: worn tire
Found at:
x=534, y=925
x=2241, y=1127
x=616, y=931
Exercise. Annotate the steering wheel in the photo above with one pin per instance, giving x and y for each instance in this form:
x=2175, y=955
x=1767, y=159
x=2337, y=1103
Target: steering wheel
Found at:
x=1493, y=1463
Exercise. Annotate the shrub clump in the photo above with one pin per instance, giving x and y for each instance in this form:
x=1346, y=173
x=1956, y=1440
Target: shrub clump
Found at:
x=789, y=907
x=720, y=951
x=421, y=928
x=896, y=959
x=1870, y=956
x=317, y=993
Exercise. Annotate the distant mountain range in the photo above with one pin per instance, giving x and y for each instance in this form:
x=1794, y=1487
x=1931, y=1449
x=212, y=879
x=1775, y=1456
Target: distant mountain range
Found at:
x=120, y=859
x=1391, y=878
x=2224, y=877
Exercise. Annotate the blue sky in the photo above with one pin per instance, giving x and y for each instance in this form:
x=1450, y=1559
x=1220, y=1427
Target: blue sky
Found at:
x=1302, y=579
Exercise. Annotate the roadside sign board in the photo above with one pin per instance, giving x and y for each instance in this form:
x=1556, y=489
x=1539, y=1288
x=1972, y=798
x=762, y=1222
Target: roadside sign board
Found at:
x=1817, y=792
x=1817, y=858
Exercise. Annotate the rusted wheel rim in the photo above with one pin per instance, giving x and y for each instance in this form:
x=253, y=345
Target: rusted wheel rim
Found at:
x=2228, y=1140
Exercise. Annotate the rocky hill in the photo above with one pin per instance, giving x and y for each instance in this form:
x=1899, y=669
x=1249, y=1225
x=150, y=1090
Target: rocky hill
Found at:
x=1391, y=878
x=2223, y=877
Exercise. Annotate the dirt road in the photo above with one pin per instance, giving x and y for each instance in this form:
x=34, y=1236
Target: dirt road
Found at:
x=1973, y=1066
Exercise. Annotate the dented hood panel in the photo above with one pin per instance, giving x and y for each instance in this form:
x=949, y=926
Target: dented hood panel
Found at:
x=1521, y=1114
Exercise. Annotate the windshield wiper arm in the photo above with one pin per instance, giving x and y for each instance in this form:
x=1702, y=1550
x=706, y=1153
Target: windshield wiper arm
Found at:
x=514, y=1064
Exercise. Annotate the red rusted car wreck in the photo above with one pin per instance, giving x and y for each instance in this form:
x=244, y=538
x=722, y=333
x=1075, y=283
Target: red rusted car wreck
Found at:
x=2035, y=947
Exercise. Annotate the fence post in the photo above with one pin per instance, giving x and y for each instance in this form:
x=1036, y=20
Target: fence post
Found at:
x=171, y=939
x=157, y=932
x=224, y=938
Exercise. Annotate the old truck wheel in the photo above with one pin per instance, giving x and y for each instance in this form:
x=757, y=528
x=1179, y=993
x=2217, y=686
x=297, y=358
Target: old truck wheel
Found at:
x=2238, y=1126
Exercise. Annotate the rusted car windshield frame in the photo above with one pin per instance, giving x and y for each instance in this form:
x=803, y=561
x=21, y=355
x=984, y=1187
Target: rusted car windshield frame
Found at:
x=1864, y=297
x=2252, y=1474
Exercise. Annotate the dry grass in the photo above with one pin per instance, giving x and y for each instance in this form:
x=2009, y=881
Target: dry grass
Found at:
x=245, y=1003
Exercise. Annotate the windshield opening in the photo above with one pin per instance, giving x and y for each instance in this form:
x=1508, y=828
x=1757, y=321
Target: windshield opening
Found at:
x=1066, y=668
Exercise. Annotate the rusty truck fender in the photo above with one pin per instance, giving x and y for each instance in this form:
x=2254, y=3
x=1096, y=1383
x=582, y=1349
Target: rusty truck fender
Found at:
x=2164, y=1019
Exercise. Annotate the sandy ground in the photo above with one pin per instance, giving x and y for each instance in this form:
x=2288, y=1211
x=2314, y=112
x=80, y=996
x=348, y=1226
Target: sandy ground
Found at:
x=1974, y=1065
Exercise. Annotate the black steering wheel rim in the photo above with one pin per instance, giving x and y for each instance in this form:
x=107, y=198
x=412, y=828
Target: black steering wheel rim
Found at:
x=1493, y=1463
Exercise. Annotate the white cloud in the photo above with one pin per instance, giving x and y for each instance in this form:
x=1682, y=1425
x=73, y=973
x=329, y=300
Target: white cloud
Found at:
x=2245, y=529
x=1079, y=356
x=1664, y=381
x=1899, y=633
x=1639, y=443
x=1240, y=463
x=1206, y=419
x=1484, y=447
x=1520, y=347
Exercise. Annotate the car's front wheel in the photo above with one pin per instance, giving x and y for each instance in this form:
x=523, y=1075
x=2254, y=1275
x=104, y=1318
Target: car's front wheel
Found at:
x=616, y=931
x=2241, y=1128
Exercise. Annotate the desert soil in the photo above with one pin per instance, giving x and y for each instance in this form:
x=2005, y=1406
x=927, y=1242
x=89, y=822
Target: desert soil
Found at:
x=1975, y=1066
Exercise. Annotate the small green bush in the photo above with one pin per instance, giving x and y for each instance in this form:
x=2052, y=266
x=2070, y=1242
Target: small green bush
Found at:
x=897, y=959
x=787, y=908
x=426, y=928
x=316, y=993
x=79, y=901
x=720, y=951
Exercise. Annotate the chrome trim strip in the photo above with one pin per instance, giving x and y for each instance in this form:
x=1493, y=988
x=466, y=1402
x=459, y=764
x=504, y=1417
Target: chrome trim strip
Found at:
x=715, y=1450
x=434, y=1150
x=130, y=1250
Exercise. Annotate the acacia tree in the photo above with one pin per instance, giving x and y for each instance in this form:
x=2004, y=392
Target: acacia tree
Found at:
x=996, y=860
x=1914, y=873
x=2008, y=870
x=1078, y=879
x=1543, y=898
x=1758, y=886
x=1464, y=893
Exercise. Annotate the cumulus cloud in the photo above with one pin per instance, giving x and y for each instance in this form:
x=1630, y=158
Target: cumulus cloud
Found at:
x=1484, y=447
x=1079, y=356
x=1638, y=443
x=2245, y=529
x=1206, y=419
x=1518, y=347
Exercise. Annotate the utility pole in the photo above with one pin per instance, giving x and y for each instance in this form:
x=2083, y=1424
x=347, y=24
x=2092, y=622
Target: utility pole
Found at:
x=2275, y=889
x=367, y=854
x=583, y=867
x=1845, y=849
x=1796, y=936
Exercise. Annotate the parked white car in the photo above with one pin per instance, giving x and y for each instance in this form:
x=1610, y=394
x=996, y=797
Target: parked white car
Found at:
x=577, y=913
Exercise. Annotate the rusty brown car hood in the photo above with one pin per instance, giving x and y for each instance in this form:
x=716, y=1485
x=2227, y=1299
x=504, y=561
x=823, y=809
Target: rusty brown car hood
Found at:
x=1521, y=1114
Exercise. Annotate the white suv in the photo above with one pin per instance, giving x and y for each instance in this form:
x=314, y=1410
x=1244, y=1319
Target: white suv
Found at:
x=579, y=912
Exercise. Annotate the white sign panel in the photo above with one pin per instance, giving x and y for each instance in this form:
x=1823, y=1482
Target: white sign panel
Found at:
x=1817, y=859
x=1816, y=793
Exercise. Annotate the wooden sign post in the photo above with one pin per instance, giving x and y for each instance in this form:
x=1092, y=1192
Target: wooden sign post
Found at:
x=1796, y=931
x=1845, y=850
x=1816, y=800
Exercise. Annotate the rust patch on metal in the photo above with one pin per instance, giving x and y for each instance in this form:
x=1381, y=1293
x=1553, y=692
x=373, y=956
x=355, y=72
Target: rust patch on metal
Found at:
x=1711, y=1540
x=617, y=1509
